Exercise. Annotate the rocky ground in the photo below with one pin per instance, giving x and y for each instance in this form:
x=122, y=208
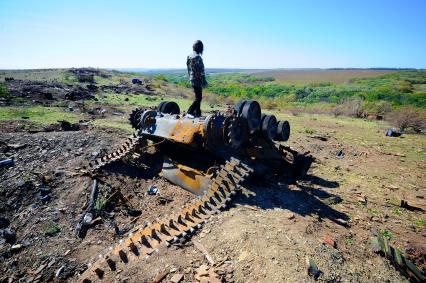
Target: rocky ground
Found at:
x=42, y=196
x=266, y=236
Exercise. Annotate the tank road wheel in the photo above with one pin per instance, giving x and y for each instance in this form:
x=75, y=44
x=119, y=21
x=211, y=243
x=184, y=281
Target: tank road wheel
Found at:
x=252, y=113
x=283, y=131
x=169, y=107
x=160, y=106
x=237, y=132
x=269, y=126
x=239, y=106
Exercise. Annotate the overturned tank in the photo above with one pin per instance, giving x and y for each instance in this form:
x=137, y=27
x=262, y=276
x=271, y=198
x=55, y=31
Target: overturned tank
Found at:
x=210, y=156
x=193, y=148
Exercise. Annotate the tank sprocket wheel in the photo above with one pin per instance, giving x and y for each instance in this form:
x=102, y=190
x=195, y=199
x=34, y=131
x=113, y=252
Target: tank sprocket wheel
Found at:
x=135, y=118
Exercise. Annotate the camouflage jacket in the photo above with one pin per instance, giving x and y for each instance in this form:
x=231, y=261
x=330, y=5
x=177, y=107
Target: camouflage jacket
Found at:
x=195, y=67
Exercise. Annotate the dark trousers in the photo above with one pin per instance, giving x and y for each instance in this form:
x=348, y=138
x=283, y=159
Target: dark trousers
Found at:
x=195, y=108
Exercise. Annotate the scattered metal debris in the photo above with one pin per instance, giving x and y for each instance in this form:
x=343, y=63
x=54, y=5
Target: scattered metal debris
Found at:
x=393, y=133
x=59, y=271
x=152, y=190
x=312, y=268
x=6, y=162
x=381, y=245
x=87, y=217
x=330, y=241
x=318, y=137
x=202, y=249
x=136, y=81
x=242, y=140
x=340, y=154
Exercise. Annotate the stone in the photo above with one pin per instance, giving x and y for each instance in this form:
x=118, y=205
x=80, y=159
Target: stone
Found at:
x=243, y=256
x=290, y=215
x=4, y=222
x=176, y=278
x=160, y=276
x=9, y=235
x=330, y=241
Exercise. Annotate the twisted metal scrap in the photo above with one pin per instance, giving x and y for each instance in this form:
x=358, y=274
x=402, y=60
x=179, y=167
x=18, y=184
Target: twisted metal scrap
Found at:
x=121, y=151
x=147, y=240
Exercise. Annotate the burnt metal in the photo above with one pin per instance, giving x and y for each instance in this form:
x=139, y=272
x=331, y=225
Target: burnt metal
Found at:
x=209, y=156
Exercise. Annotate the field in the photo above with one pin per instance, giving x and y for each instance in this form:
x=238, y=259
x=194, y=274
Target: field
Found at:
x=306, y=76
x=355, y=185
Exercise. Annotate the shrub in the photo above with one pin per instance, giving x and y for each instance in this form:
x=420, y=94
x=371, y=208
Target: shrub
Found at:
x=161, y=77
x=212, y=100
x=407, y=118
x=350, y=107
x=228, y=100
x=4, y=92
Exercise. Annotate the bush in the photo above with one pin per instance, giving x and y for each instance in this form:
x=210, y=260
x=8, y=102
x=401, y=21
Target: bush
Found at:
x=212, y=100
x=380, y=108
x=161, y=77
x=4, y=92
x=407, y=118
x=350, y=107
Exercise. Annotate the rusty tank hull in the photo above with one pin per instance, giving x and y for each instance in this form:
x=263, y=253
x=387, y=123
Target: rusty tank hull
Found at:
x=194, y=147
x=211, y=156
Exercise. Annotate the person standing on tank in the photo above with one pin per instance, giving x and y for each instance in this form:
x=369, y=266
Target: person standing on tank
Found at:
x=197, y=77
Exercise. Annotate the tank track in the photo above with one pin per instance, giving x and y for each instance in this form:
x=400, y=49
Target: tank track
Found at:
x=146, y=240
x=121, y=151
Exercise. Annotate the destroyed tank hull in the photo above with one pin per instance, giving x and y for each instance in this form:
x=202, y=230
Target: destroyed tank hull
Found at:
x=211, y=156
x=193, y=147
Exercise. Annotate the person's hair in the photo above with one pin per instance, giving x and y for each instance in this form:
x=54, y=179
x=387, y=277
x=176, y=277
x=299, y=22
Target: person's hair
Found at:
x=198, y=47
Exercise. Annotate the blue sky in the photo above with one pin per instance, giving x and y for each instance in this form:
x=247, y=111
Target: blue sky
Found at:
x=236, y=34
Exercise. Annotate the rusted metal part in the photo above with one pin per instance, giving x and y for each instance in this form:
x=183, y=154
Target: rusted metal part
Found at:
x=121, y=151
x=147, y=240
x=175, y=127
x=381, y=244
x=195, y=148
x=186, y=177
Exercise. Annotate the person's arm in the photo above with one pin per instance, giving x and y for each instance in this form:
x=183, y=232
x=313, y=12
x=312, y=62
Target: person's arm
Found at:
x=188, y=62
x=202, y=73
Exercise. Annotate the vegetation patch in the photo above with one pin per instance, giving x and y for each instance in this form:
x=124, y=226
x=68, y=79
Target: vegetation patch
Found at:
x=38, y=114
x=52, y=230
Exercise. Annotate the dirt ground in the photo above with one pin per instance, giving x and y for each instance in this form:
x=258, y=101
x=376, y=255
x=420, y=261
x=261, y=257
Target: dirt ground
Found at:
x=272, y=228
x=266, y=236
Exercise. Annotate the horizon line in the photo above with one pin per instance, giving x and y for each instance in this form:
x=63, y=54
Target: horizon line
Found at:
x=214, y=68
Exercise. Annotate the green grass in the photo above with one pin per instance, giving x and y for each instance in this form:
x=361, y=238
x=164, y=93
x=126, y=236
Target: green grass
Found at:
x=4, y=92
x=99, y=204
x=373, y=211
x=114, y=122
x=387, y=234
x=349, y=240
x=38, y=114
x=390, y=90
x=420, y=222
x=145, y=100
x=52, y=230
